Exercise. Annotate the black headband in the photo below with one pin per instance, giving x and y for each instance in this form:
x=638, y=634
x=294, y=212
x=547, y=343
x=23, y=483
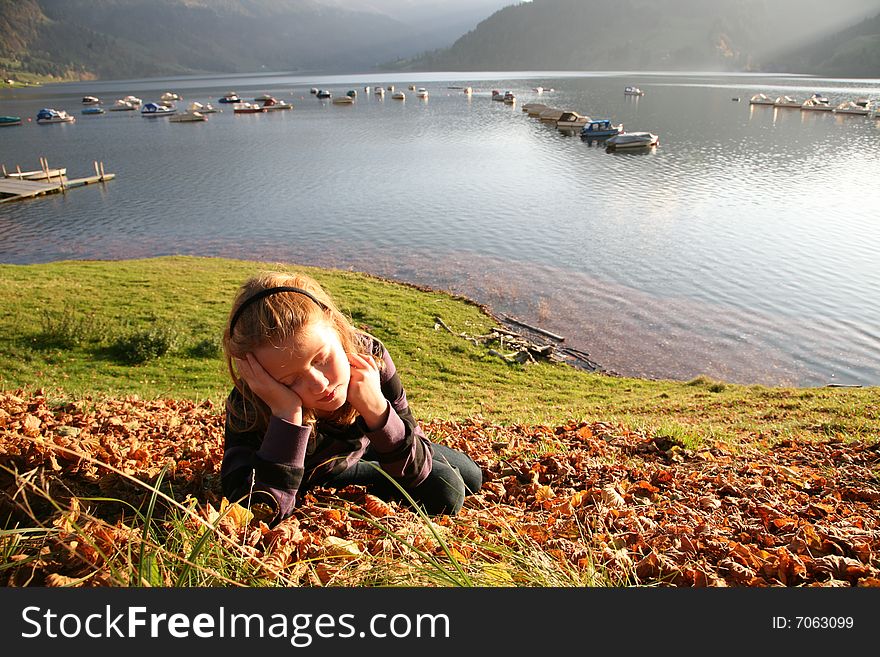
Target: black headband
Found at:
x=262, y=294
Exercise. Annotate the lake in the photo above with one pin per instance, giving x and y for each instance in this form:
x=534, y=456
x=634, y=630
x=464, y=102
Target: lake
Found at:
x=746, y=247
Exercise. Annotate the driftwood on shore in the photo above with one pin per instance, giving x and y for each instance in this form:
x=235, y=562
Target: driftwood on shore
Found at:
x=515, y=347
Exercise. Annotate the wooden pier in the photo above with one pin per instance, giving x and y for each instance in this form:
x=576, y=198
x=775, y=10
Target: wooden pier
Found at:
x=18, y=185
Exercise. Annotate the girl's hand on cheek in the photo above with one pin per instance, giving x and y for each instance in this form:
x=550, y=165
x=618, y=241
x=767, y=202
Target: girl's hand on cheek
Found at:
x=283, y=402
x=365, y=391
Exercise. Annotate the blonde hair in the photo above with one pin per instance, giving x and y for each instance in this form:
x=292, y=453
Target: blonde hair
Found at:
x=275, y=320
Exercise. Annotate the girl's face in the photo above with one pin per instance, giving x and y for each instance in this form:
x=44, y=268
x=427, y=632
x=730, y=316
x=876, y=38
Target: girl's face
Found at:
x=314, y=365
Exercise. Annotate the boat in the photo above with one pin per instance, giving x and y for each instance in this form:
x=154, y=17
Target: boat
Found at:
x=343, y=100
x=247, y=108
x=535, y=109
x=380, y=92
x=398, y=95
x=633, y=91
x=366, y=89
x=262, y=97
x=323, y=93
x=787, y=101
x=152, y=110
x=550, y=115
x=761, y=99
x=92, y=110
x=850, y=107
x=50, y=115
x=816, y=104
x=188, y=116
x=313, y=90
x=820, y=98
x=352, y=93
x=632, y=140
x=538, y=90
x=509, y=98
x=390, y=87
x=412, y=87
x=10, y=120
x=122, y=105
x=497, y=95
x=468, y=91
x=90, y=100
x=271, y=104
x=169, y=97
x=134, y=100
x=422, y=92
x=600, y=129
x=231, y=97
x=571, y=121
x=206, y=108
x=530, y=106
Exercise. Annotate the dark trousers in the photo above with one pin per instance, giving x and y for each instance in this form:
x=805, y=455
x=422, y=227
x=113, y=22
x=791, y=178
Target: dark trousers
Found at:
x=453, y=476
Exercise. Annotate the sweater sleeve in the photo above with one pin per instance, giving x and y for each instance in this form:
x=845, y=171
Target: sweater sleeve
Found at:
x=263, y=469
x=402, y=448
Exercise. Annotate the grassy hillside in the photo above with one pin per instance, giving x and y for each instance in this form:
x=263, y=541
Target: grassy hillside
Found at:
x=97, y=329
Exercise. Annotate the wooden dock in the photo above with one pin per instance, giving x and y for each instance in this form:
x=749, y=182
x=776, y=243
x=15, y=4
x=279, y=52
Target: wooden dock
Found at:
x=18, y=185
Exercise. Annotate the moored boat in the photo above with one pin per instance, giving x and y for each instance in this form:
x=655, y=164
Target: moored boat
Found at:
x=632, y=140
x=247, y=108
x=600, y=129
x=787, y=101
x=398, y=95
x=169, y=97
x=122, y=105
x=422, y=92
x=571, y=121
x=271, y=104
x=151, y=110
x=205, y=108
x=380, y=92
x=633, y=91
x=91, y=100
x=188, y=116
x=343, y=100
x=50, y=115
x=853, y=107
x=550, y=115
x=323, y=93
x=230, y=97
x=92, y=110
x=10, y=120
x=761, y=99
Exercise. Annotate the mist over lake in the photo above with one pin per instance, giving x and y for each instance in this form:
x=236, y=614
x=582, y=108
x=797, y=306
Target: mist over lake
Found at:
x=744, y=247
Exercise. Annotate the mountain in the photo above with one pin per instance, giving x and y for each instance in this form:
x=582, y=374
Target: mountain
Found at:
x=640, y=34
x=853, y=52
x=70, y=39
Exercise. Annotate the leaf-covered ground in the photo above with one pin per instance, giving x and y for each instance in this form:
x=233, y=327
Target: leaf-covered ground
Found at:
x=591, y=498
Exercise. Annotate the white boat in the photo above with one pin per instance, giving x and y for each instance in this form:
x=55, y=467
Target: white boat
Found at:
x=398, y=95
x=787, y=101
x=571, y=120
x=230, y=97
x=850, y=107
x=50, y=115
x=538, y=90
x=422, y=92
x=468, y=91
x=380, y=91
x=761, y=99
x=169, y=97
x=151, y=110
x=343, y=100
x=633, y=91
x=632, y=140
x=122, y=105
x=247, y=108
x=271, y=104
x=205, y=108
x=134, y=100
x=91, y=100
x=816, y=104
x=313, y=90
x=323, y=93
x=187, y=116
x=262, y=97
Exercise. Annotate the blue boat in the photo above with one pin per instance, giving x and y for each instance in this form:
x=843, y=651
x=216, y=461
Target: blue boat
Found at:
x=93, y=110
x=600, y=129
x=10, y=120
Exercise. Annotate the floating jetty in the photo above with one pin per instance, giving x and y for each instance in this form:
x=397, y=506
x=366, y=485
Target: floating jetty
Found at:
x=17, y=185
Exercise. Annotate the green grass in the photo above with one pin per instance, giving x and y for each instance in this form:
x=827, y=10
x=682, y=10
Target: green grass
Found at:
x=151, y=328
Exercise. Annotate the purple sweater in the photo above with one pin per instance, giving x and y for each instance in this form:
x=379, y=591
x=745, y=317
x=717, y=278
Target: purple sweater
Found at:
x=284, y=457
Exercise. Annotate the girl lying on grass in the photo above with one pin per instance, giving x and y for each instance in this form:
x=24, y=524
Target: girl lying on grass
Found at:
x=319, y=402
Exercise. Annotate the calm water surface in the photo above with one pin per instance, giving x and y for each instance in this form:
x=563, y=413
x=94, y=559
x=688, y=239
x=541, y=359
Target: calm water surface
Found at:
x=746, y=247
